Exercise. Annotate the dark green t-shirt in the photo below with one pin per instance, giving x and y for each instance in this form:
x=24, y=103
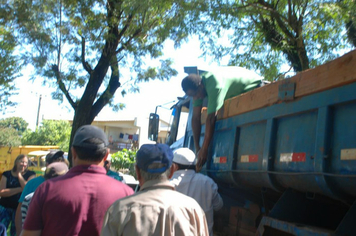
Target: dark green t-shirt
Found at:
x=226, y=82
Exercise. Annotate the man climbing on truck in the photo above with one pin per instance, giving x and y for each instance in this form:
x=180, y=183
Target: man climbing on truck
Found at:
x=217, y=85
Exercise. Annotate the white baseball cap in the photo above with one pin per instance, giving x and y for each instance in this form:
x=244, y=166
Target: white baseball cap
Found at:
x=184, y=156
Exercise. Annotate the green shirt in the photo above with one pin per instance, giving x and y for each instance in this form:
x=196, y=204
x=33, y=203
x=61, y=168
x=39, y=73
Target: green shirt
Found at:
x=226, y=82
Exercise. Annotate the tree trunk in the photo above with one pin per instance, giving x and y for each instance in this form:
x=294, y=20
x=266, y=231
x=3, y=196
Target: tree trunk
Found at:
x=81, y=117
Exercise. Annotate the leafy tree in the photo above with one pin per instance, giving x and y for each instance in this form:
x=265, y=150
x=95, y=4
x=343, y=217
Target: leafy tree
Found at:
x=82, y=46
x=124, y=160
x=52, y=132
x=11, y=130
x=17, y=123
x=9, y=137
x=9, y=65
x=267, y=34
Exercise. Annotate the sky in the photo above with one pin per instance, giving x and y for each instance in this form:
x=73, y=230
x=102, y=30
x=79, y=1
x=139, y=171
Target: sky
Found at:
x=154, y=93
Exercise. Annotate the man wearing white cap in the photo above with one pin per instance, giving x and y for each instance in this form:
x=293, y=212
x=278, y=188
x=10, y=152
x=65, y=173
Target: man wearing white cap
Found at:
x=198, y=186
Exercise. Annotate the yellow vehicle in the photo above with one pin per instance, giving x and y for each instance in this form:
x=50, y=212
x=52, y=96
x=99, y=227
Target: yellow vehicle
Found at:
x=9, y=154
x=37, y=161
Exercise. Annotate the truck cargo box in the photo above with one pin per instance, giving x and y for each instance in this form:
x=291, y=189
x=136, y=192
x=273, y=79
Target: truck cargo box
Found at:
x=289, y=143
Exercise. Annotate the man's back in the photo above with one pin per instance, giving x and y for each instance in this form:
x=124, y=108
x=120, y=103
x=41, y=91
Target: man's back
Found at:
x=74, y=204
x=156, y=210
x=227, y=82
x=200, y=187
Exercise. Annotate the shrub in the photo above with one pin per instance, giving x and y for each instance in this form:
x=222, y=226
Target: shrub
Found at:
x=124, y=161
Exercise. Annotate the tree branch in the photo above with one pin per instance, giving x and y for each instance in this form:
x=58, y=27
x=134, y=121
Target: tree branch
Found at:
x=110, y=90
x=128, y=23
x=62, y=87
x=137, y=32
x=85, y=64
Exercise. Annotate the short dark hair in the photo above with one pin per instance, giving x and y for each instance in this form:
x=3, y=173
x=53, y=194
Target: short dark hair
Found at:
x=55, y=157
x=91, y=153
x=191, y=82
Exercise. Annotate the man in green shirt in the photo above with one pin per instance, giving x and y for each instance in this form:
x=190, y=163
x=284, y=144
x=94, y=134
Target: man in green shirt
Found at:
x=217, y=85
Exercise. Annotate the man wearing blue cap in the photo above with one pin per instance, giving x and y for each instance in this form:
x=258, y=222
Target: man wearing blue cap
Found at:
x=75, y=203
x=157, y=209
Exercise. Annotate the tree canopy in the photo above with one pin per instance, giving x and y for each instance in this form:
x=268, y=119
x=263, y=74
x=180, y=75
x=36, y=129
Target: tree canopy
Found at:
x=266, y=34
x=51, y=132
x=9, y=64
x=82, y=46
x=9, y=137
x=16, y=123
x=11, y=130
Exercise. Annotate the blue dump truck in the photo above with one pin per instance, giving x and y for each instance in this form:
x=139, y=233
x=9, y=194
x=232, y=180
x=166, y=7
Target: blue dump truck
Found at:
x=284, y=155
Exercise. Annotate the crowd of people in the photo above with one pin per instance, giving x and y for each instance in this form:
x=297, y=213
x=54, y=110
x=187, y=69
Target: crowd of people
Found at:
x=88, y=199
x=91, y=199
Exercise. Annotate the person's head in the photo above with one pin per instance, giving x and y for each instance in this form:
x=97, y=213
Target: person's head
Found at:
x=184, y=158
x=89, y=145
x=55, y=156
x=107, y=165
x=193, y=87
x=154, y=162
x=55, y=169
x=20, y=163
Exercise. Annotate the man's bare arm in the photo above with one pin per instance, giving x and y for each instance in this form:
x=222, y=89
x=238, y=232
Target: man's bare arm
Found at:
x=196, y=127
x=208, y=136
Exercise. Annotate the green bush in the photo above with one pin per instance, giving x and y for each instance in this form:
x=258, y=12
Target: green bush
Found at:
x=124, y=161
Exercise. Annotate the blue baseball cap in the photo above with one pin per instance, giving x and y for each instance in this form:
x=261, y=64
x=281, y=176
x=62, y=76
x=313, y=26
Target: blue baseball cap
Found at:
x=154, y=153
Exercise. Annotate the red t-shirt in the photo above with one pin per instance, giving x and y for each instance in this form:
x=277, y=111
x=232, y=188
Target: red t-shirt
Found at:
x=74, y=204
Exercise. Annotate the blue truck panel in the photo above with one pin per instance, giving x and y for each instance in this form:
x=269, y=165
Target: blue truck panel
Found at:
x=289, y=145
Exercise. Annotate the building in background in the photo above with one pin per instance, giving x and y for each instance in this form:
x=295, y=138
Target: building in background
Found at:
x=129, y=132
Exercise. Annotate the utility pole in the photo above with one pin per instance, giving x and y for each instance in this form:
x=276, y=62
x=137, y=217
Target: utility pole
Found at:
x=38, y=111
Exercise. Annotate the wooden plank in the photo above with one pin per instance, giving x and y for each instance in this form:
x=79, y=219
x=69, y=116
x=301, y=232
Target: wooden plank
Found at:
x=333, y=74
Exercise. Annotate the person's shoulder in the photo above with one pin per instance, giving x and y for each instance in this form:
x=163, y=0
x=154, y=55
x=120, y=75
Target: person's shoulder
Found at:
x=35, y=180
x=29, y=196
x=116, y=184
x=112, y=173
x=6, y=173
x=185, y=201
x=205, y=178
x=30, y=173
x=208, y=75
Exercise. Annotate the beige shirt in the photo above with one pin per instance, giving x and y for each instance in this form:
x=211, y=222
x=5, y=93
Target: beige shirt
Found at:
x=157, y=209
x=203, y=189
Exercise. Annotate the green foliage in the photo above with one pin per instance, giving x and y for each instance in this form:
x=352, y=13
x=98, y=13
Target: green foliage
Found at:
x=11, y=130
x=79, y=47
x=9, y=137
x=266, y=35
x=9, y=65
x=73, y=43
x=17, y=123
x=124, y=161
x=52, y=132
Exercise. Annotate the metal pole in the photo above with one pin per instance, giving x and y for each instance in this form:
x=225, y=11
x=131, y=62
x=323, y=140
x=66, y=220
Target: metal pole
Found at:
x=38, y=111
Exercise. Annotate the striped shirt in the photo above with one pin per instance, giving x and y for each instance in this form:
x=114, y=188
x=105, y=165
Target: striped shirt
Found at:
x=25, y=204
